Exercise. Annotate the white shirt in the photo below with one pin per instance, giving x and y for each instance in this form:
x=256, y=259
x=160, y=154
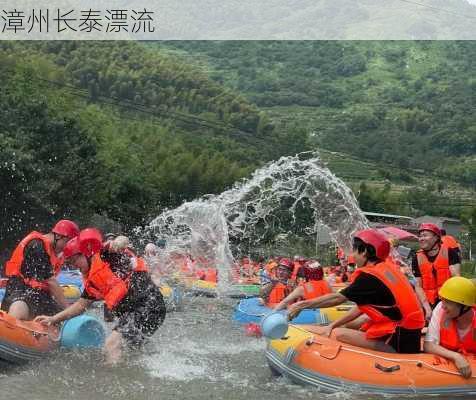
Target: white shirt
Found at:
x=433, y=334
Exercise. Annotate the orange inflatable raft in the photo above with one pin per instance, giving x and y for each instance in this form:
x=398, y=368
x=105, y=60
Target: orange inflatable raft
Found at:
x=22, y=341
x=307, y=358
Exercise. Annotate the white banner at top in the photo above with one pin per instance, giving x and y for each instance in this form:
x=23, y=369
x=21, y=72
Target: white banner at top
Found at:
x=237, y=19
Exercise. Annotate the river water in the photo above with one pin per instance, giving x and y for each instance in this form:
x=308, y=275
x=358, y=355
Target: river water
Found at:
x=197, y=354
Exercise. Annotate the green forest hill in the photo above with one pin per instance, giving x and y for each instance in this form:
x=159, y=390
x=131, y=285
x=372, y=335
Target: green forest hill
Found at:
x=407, y=107
x=119, y=131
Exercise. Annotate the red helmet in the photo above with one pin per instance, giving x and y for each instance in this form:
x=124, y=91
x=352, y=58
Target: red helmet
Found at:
x=90, y=241
x=285, y=262
x=71, y=248
x=65, y=227
x=377, y=240
x=430, y=227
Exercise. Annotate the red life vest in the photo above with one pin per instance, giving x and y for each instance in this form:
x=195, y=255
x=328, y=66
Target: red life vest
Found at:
x=450, y=339
x=13, y=266
x=211, y=275
x=313, y=289
x=405, y=300
x=279, y=292
x=450, y=242
x=138, y=263
x=102, y=284
x=434, y=274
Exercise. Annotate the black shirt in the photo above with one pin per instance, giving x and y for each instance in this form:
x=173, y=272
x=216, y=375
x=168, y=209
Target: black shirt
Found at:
x=454, y=257
x=36, y=262
x=369, y=290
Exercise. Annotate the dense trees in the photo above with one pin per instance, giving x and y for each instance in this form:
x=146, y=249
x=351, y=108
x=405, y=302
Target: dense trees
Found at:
x=407, y=104
x=116, y=130
x=123, y=130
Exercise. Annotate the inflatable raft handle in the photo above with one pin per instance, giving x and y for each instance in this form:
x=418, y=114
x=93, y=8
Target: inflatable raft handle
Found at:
x=393, y=368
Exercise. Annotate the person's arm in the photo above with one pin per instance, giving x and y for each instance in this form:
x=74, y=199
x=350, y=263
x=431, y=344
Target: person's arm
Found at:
x=459, y=360
x=422, y=298
x=353, y=313
x=454, y=259
x=291, y=297
x=57, y=292
x=328, y=300
x=73, y=310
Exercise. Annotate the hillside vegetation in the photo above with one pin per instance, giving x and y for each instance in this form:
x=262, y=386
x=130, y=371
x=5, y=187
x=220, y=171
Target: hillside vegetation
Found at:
x=117, y=130
x=405, y=104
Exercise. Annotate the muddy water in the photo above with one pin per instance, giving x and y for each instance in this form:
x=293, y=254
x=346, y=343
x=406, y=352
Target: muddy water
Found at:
x=198, y=354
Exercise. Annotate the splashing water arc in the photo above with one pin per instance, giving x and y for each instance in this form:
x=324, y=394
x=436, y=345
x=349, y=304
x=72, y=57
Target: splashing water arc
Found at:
x=275, y=198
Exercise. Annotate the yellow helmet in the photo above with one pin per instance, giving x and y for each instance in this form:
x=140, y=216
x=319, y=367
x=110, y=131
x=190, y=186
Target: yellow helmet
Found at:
x=459, y=290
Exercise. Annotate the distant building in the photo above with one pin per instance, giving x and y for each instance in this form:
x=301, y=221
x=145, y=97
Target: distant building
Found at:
x=378, y=220
x=452, y=226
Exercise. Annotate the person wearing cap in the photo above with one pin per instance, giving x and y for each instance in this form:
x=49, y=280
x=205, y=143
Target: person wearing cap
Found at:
x=126, y=288
x=278, y=287
x=381, y=293
x=433, y=265
x=452, y=329
x=32, y=288
x=311, y=285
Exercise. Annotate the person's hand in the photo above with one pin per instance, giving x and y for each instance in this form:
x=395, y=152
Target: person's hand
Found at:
x=463, y=366
x=294, y=310
x=44, y=320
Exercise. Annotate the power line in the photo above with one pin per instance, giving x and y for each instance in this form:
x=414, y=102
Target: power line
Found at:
x=180, y=116
x=437, y=9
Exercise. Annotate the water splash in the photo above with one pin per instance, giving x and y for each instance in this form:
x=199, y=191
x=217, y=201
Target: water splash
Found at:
x=294, y=195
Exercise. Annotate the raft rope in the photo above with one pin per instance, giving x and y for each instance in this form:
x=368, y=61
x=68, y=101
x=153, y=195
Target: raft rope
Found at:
x=400, y=360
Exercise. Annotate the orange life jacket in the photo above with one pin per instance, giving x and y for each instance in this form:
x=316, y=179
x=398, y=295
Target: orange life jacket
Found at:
x=450, y=242
x=449, y=335
x=13, y=266
x=279, y=292
x=270, y=268
x=102, y=284
x=138, y=263
x=434, y=274
x=405, y=300
x=211, y=275
x=313, y=289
